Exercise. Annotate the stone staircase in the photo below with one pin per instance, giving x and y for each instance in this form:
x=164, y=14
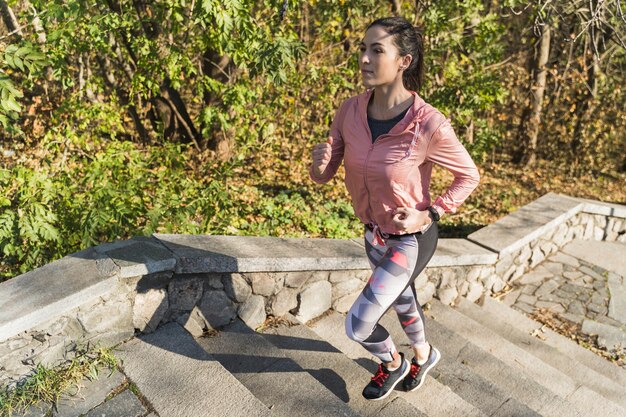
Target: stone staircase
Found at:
x=492, y=365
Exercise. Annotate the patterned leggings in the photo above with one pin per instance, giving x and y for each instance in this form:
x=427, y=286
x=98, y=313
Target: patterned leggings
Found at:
x=396, y=261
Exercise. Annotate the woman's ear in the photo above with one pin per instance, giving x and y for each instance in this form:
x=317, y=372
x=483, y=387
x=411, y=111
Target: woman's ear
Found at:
x=406, y=61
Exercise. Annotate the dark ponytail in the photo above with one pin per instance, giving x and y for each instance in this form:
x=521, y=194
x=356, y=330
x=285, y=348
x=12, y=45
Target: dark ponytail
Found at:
x=408, y=40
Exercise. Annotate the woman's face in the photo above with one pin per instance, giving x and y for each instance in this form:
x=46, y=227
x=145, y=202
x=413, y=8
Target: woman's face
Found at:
x=380, y=60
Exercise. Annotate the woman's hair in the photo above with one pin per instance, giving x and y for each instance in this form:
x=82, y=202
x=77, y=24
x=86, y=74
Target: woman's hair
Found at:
x=408, y=40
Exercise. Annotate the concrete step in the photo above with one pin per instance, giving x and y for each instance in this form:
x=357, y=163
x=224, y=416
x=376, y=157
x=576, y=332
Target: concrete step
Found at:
x=577, y=354
x=433, y=398
x=180, y=379
x=272, y=377
x=333, y=369
x=494, y=319
x=529, y=368
x=476, y=376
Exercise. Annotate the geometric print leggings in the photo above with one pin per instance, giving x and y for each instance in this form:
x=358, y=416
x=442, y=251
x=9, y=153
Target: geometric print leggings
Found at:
x=396, y=260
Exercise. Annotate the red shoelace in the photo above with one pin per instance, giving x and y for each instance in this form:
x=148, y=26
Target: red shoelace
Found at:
x=381, y=376
x=414, y=369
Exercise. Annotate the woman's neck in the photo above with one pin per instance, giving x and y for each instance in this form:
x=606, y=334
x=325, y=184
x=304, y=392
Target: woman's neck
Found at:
x=388, y=101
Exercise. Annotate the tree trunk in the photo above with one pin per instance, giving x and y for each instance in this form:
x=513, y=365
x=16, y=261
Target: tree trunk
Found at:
x=9, y=19
x=529, y=129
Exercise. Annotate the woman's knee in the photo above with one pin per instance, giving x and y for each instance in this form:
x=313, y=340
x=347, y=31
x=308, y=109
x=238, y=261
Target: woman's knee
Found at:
x=355, y=331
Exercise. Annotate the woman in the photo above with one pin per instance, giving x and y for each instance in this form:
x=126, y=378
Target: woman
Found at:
x=389, y=138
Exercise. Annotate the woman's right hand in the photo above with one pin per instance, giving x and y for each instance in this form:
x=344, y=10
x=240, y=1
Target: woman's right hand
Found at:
x=321, y=156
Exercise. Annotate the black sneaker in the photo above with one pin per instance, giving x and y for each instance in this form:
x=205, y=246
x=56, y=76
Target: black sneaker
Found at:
x=384, y=381
x=417, y=373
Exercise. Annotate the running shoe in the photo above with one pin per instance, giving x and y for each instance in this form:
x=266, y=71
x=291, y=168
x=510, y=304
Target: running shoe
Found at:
x=417, y=373
x=384, y=380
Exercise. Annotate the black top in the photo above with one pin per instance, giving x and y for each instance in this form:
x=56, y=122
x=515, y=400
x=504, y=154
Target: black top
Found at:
x=380, y=127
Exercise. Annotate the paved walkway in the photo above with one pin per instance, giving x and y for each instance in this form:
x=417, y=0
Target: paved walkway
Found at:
x=584, y=284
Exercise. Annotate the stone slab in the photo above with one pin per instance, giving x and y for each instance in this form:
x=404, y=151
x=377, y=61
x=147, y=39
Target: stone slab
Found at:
x=125, y=404
x=527, y=366
x=169, y=362
x=475, y=375
x=203, y=253
x=576, y=353
x=268, y=374
x=610, y=256
x=526, y=224
x=139, y=256
x=89, y=395
x=433, y=398
x=603, y=208
x=495, y=320
x=52, y=290
x=608, y=336
x=333, y=369
x=458, y=252
x=617, y=301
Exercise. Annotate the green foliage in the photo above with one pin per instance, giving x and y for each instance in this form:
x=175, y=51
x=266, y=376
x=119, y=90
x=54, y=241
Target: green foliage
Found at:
x=27, y=60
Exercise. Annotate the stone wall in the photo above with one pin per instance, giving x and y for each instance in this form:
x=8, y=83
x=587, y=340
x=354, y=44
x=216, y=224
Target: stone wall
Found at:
x=204, y=282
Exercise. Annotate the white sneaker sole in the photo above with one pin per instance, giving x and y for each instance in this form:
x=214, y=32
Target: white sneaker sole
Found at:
x=401, y=378
x=426, y=371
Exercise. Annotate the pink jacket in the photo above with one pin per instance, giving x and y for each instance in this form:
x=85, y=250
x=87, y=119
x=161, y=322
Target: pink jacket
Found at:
x=395, y=170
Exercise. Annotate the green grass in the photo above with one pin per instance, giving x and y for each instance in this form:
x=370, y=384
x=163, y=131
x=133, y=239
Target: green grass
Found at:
x=48, y=384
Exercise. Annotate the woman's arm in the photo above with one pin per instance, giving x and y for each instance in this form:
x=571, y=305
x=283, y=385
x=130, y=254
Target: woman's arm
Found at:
x=446, y=150
x=329, y=155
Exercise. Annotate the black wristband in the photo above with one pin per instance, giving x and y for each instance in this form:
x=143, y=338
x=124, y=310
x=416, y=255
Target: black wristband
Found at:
x=434, y=214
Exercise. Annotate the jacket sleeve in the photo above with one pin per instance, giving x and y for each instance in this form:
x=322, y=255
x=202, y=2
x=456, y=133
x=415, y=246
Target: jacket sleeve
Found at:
x=337, y=147
x=446, y=150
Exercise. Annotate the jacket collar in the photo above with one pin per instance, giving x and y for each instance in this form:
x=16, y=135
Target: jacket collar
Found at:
x=413, y=116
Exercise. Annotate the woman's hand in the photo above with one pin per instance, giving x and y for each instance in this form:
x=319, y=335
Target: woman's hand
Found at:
x=321, y=156
x=411, y=220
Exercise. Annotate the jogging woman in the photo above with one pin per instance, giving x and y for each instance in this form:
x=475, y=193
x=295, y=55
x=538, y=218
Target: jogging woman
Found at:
x=388, y=138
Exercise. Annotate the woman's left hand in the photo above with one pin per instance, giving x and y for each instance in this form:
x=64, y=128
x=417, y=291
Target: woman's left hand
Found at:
x=411, y=220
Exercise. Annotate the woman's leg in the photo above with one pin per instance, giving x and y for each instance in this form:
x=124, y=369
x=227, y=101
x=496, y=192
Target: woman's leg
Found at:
x=406, y=306
x=393, y=268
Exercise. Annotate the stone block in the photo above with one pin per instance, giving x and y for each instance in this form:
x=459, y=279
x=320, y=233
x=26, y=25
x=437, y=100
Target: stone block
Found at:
x=139, y=256
x=217, y=308
x=339, y=276
x=77, y=280
x=456, y=252
x=474, y=292
x=149, y=309
x=263, y=283
x=252, y=312
x=229, y=254
x=184, y=293
x=124, y=404
x=285, y=301
x=576, y=307
x=89, y=394
x=547, y=287
x=530, y=222
x=343, y=288
x=534, y=277
x=194, y=322
x=315, y=299
x=344, y=303
x=236, y=287
x=498, y=285
x=297, y=279
x=528, y=299
x=426, y=293
x=214, y=282
x=511, y=297
x=554, y=307
x=463, y=288
x=447, y=295
x=608, y=336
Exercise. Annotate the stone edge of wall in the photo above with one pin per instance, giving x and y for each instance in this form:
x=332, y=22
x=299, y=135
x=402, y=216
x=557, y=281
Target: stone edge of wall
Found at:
x=198, y=282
